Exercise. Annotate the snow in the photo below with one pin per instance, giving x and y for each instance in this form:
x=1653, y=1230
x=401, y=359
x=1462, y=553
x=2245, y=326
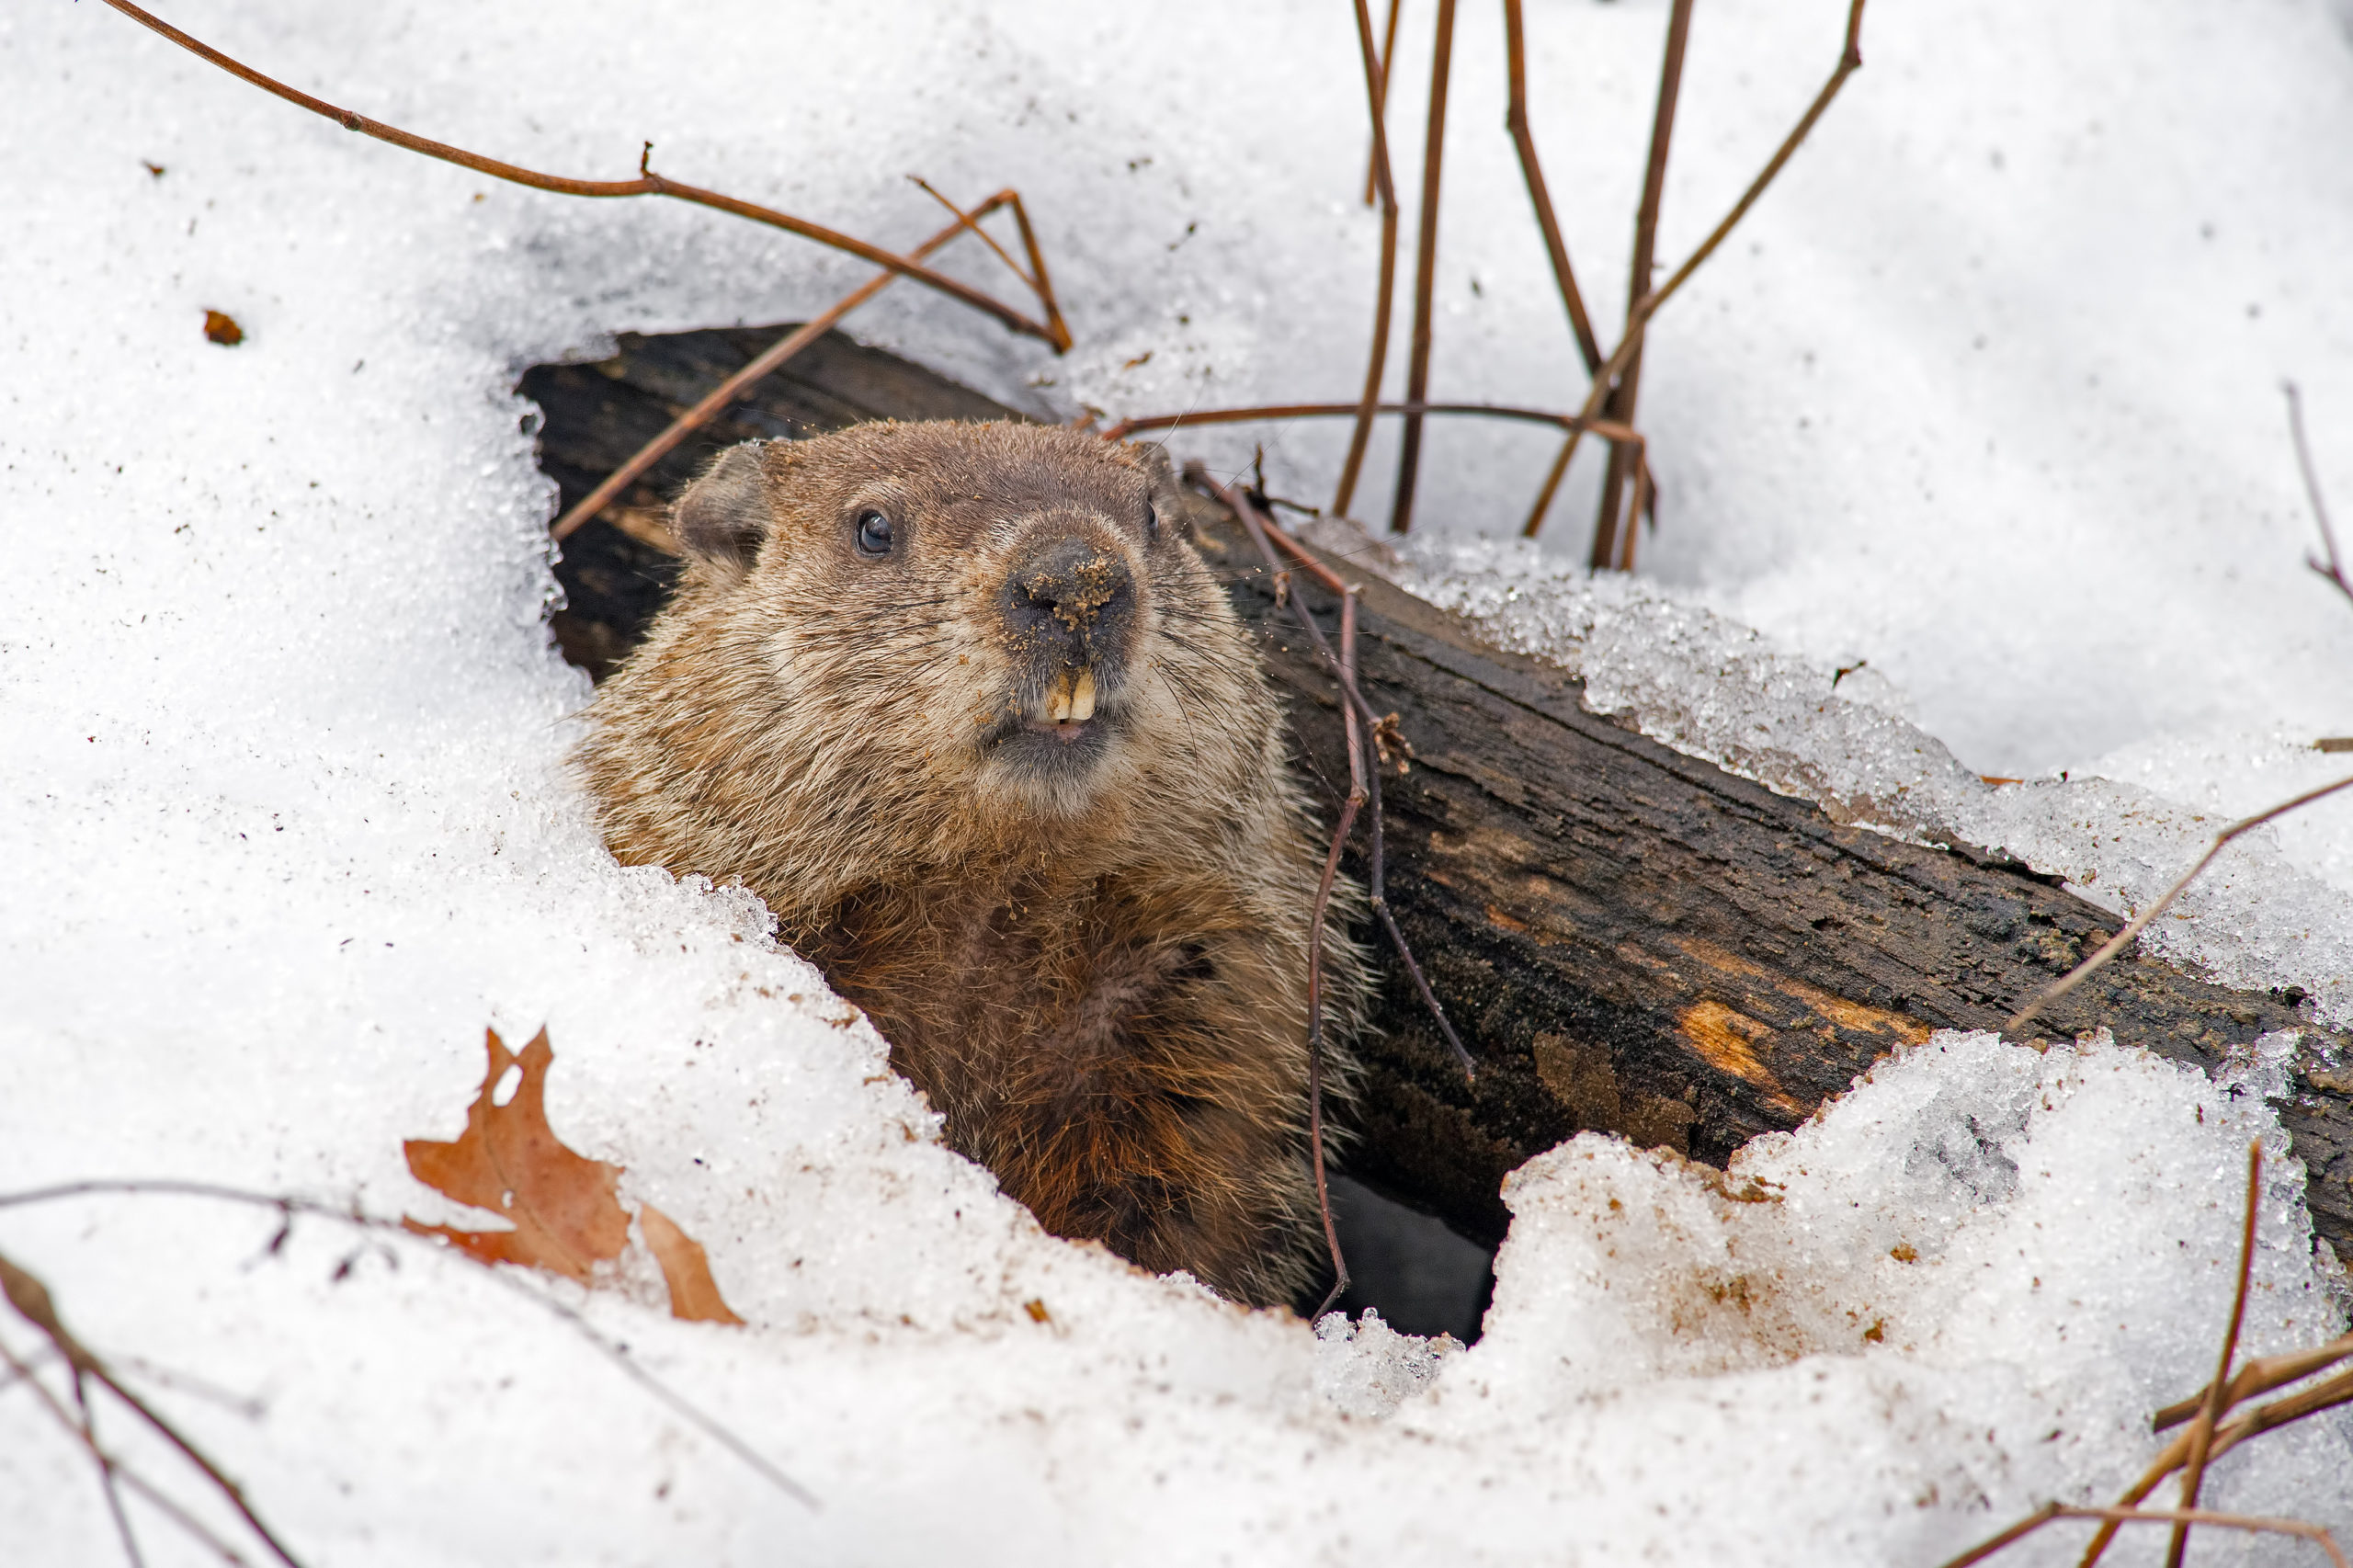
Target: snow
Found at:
x=288, y=822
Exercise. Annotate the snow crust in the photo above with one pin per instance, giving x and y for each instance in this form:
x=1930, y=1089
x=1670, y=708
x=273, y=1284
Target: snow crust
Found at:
x=2277, y=911
x=287, y=821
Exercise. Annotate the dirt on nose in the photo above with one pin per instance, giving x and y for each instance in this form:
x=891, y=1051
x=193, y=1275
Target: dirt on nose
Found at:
x=1085, y=588
x=1071, y=582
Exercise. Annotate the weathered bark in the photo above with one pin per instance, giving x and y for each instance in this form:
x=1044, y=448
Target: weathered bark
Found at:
x=1634, y=941
x=1628, y=939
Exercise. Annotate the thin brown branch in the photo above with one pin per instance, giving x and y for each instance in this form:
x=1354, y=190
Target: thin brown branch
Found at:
x=2194, y=1449
x=1376, y=81
x=2332, y=568
x=32, y=1301
x=2125, y=937
x=1322, y=907
x=108, y=1473
x=2202, y=1434
x=710, y=1425
x=2326, y=1394
x=1524, y=139
x=1605, y=428
x=2260, y=1375
x=2182, y=1517
x=1058, y=331
x=1265, y=535
x=766, y=364
x=970, y=223
x=648, y=183
x=2178, y=1517
x=1379, y=80
x=1850, y=59
x=114, y=1467
x=1608, y=548
x=1417, y=361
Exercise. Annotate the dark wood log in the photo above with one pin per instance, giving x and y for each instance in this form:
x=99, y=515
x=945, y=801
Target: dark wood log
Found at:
x=1628, y=939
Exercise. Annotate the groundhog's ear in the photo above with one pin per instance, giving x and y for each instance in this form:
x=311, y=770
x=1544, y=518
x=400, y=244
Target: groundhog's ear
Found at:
x=723, y=515
x=1157, y=461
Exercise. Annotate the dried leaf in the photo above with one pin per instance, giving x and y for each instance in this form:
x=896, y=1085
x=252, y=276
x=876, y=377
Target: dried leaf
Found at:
x=686, y=1268
x=221, y=327
x=510, y=1161
x=567, y=1219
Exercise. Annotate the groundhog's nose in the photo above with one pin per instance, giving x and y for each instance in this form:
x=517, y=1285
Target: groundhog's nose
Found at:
x=1065, y=594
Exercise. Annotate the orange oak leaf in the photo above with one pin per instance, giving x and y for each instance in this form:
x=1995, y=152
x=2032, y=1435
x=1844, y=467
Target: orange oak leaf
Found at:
x=561, y=1204
x=686, y=1268
x=510, y=1161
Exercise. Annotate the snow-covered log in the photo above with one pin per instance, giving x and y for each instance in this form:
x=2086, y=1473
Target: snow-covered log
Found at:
x=1629, y=939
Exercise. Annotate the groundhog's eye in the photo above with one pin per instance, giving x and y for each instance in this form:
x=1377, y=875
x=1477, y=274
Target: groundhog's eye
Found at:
x=1151, y=522
x=873, y=534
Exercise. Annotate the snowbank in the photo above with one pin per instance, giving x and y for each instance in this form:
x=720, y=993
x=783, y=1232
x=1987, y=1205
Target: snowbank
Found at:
x=287, y=821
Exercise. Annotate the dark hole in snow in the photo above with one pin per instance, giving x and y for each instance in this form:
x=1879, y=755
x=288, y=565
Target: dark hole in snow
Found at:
x=1413, y=1267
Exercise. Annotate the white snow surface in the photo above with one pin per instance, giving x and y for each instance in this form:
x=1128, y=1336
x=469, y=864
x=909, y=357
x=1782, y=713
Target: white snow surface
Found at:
x=1983, y=392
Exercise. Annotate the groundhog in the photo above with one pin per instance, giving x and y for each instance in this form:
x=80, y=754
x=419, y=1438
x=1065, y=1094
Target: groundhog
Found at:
x=962, y=703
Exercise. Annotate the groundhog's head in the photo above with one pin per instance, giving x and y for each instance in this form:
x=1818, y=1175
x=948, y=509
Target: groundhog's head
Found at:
x=1004, y=613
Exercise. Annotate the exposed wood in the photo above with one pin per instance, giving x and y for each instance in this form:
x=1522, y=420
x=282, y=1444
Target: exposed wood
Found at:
x=1628, y=939
x=1635, y=941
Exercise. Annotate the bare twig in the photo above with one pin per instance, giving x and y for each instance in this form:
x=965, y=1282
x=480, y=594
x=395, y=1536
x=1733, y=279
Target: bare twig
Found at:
x=1376, y=84
x=108, y=1473
x=1524, y=139
x=1850, y=59
x=2176, y=1516
x=1610, y=550
x=2202, y=1434
x=2260, y=1375
x=2328, y=1394
x=648, y=183
x=1356, y=800
x=970, y=223
x=1417, y=362
x=1607, y=429
x=1267, y=536
x=2334, y=567
x=710, y=1425
x=1364, y=791
x=767, y=362
x=2124, y=938
x=32, y=1302
x=114, y=1467
x=1380, y=81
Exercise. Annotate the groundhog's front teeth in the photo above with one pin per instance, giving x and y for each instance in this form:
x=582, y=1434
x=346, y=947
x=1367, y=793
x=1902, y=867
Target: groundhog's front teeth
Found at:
x=1070, y=699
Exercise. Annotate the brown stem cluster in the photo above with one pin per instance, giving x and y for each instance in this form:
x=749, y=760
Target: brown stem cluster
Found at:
x=32, y=1301
x=1364, y=794
x=1609, y=408
x=2213, y=1430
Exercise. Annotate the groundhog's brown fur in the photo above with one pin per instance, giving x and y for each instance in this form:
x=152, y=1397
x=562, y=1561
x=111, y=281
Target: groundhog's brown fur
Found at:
x=1085, y=938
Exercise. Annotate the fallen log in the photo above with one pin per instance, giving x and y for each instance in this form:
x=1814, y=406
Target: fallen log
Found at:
x=1630, y=940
